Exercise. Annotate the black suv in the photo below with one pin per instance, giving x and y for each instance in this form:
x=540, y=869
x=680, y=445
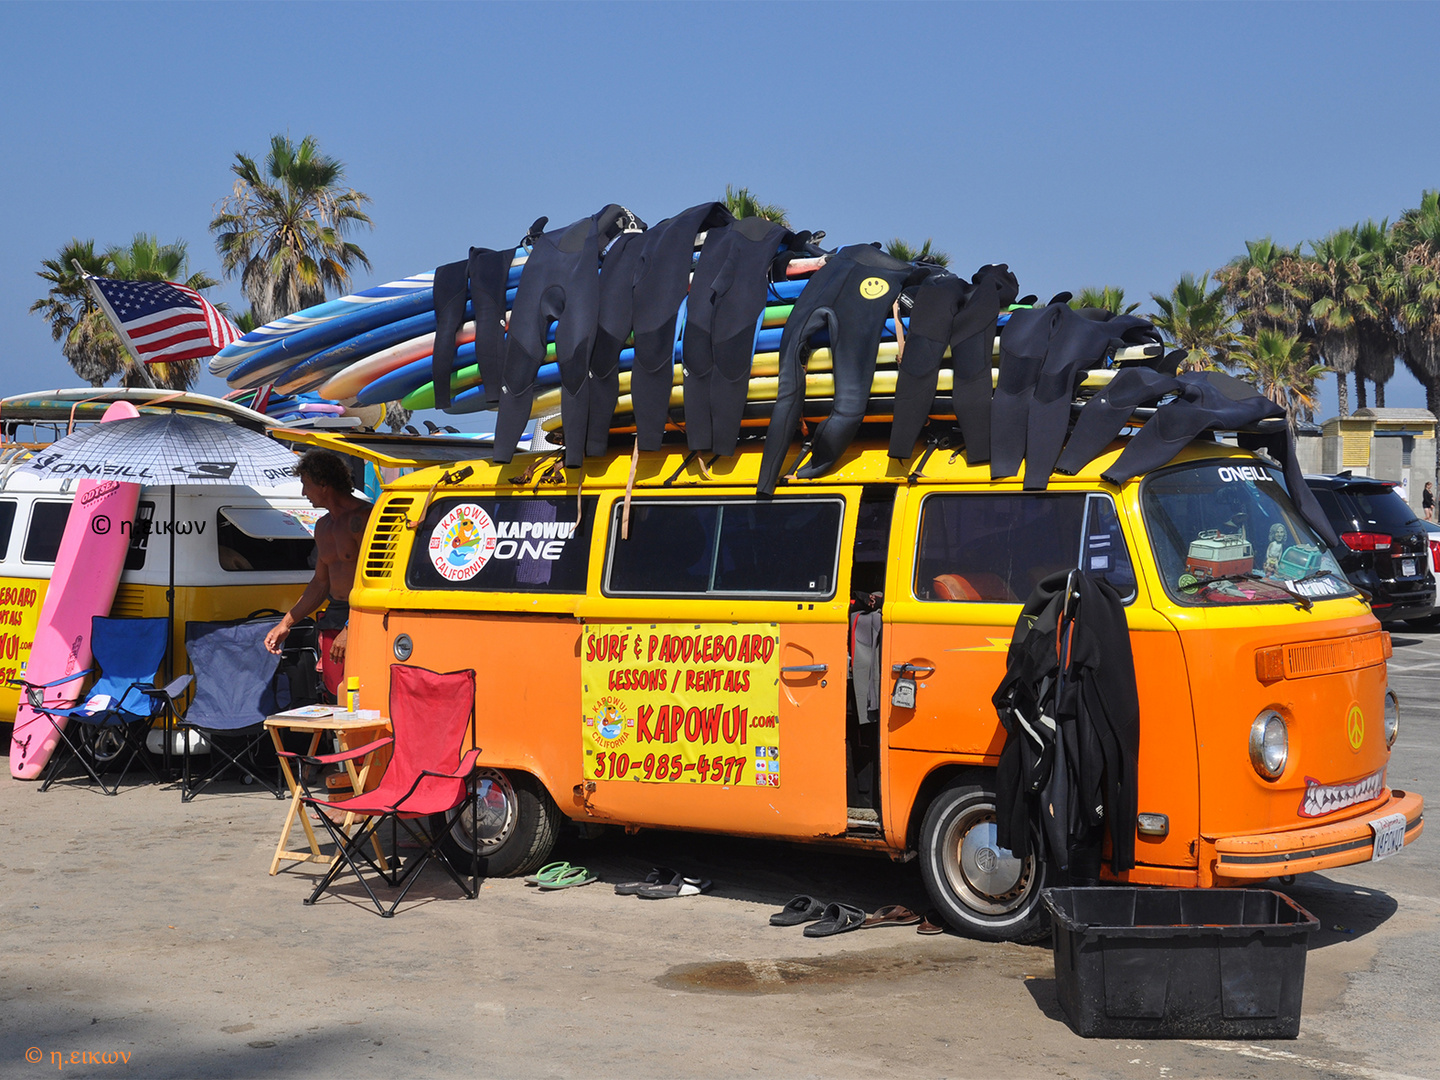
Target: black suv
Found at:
x=1383, y=546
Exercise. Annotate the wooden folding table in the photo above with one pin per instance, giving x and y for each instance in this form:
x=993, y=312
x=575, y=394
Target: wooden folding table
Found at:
x=351, y=732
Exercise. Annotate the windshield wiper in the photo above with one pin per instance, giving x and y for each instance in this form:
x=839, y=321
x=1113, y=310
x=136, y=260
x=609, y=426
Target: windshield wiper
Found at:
x=1298, y=599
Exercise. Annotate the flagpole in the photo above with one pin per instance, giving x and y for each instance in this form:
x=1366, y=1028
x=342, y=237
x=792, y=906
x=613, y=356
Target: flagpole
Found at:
x=114, y=321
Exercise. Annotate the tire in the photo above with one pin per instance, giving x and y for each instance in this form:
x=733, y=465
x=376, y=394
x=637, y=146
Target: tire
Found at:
x=1428, y=622
x=980, y=889
x=519, y=823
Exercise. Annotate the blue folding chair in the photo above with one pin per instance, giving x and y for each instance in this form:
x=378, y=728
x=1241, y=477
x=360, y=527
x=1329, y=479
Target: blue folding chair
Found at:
x=236, y=688
x=108, y=729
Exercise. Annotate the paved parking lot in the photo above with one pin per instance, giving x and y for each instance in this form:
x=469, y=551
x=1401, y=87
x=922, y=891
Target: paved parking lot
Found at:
x=139, y=926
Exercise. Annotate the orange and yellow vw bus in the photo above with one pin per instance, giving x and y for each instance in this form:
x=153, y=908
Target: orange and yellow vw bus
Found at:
x=666, y=649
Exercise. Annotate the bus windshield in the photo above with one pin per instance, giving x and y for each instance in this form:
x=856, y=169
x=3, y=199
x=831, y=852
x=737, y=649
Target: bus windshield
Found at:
x=1227, y=533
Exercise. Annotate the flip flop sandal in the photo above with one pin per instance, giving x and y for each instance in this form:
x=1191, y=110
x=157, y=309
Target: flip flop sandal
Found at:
x=894, y=915
x=657, y=876
x=838, y=919
x=545, y=873
x=569, y=878
x=676, y=886
x=799, y=910
x=931, y=924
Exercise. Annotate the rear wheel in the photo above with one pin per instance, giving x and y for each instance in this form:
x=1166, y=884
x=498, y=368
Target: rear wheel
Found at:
x=981, y=889
x=517, y=825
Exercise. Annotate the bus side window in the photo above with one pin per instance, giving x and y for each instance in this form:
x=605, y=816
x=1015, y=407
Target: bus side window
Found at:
x=994, y=548
x=7, y=523
x=1104, y=552
x=738, y=547
x=47, y=528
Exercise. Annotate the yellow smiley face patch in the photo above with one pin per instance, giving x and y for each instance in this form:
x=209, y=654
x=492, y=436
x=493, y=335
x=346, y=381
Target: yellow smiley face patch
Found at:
x=872, y=288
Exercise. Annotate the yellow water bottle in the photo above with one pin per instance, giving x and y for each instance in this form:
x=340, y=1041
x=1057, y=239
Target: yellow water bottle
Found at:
x=352, y=693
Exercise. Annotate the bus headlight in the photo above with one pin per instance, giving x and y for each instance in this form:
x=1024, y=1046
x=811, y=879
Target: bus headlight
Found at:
x=1269, y=744
x=1392, y=717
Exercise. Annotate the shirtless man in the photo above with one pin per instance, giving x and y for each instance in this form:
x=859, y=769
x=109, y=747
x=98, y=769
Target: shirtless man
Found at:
x=325, y=481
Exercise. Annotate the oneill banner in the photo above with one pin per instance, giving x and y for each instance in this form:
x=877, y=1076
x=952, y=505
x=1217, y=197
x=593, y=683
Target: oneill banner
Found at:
x=688, y=703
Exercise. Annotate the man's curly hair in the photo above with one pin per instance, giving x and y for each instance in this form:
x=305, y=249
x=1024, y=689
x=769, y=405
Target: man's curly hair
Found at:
x=326, y=468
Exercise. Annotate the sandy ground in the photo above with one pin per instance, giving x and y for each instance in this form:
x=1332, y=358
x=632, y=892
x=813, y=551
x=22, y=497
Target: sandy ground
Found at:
x=140, y=926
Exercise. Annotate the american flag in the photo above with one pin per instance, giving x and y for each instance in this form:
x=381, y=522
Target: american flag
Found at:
x=163, y=321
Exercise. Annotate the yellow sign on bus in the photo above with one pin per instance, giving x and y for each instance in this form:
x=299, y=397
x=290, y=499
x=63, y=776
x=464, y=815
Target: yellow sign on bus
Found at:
x=693, y=703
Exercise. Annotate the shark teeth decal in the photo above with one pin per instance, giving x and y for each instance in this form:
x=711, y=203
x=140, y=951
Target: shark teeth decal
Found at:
x=1321, y=799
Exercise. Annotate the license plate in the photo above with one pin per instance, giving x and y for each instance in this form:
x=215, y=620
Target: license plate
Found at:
x=1407, y=567
x=1389, y=836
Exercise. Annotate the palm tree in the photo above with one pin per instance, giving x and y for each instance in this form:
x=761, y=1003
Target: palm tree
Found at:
x=926, y=252
x=1279, y=365
x=1193, y=317
x=743, y=203
x=69, y=302
x=1263, y=288
x=1338, y=300
x=1417, y=246
x=1110, y=298
x=1377, y=327
x=283, y=229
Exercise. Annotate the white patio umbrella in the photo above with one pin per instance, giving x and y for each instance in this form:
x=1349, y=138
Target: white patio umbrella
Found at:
x=166, y=450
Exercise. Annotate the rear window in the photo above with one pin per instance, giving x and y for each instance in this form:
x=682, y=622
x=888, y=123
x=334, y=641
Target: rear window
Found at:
x=997, y=548
x=1376, y=508
x=739, y=547
x=47, y=528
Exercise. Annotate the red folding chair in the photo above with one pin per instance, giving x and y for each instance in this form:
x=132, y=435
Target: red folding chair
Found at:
x=430, y=717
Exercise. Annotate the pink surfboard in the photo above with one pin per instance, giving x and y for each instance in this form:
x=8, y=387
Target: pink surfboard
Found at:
x=87, y=570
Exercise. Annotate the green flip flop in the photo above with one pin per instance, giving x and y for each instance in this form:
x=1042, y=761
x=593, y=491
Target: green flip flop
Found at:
x=569, y=878
x=547, y=872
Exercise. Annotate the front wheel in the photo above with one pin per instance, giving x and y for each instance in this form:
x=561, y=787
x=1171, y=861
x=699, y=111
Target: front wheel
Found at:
x=981, y=889
x=517, y=825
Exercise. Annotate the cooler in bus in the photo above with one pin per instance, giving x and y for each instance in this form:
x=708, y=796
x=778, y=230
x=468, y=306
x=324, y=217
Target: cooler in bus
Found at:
x=1215, y=554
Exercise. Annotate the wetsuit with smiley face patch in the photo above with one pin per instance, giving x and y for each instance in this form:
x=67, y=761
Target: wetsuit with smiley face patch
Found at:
x=850, y=297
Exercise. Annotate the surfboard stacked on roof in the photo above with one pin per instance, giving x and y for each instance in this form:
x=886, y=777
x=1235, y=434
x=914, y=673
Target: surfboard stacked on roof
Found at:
x=711, y=329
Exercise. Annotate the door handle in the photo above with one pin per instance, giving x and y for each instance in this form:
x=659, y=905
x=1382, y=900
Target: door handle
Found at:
x=911, y=669
x=817, y=668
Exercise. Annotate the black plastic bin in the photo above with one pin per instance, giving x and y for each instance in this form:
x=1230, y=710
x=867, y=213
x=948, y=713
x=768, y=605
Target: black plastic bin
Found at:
x=1180, y=963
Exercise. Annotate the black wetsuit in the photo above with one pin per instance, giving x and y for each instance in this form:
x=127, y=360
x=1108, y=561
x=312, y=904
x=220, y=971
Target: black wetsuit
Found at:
x=662, y=280
x=617, y=289
x=1105, y=414
x=1083, y=340
x=1208, y=401
x=1043, y=353
x=560, y=284
x=850, y=296
x=1071, y=712
x=485, y=271
x=727, y=297
x=950, y=312
x=1024, y=344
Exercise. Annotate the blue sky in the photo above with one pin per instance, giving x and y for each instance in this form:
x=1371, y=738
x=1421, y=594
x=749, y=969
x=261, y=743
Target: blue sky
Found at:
x=1084, y=144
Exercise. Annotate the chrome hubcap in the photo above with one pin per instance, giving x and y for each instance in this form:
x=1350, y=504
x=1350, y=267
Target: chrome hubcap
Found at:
x=493, y=812
x=987, y=877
